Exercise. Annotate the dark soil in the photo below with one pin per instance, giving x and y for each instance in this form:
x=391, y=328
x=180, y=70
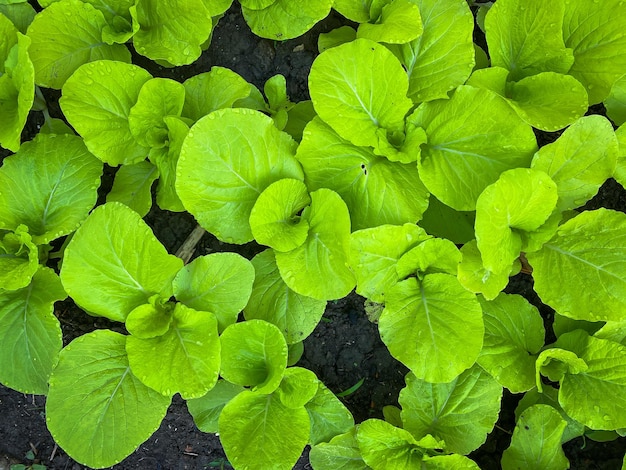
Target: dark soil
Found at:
x=344, y=348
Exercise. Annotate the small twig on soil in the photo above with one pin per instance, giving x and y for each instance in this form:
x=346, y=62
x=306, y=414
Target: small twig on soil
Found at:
x=54, y=451
x=185, y=252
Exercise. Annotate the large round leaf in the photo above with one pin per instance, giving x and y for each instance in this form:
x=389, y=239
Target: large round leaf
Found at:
x=97, y=410
x=581, y=272
x=97, y=100
x=66, y=35
x=114, y=263
x=434, y=327
x=58, y=199
x=461, y=412
x=359, y=89
x=472, y=138
x=228, y=158
x=30, y=334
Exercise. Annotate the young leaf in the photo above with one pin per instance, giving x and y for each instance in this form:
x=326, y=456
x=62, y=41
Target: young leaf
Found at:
x=275, y=219
x=586, y=250
x=472, y=138
x=206, y=410
x=171, y=31
x=65, y=36
x=114, y=264
x=150, y=320
x=319, y=268
x=298, y=387
x=615, y=103
x=382, y=445
x=461, y=412
x=336, y=37
x=187, y=359
x=514, y=335
x=375, y=253
x=209, y=91
x=520, y=201
x=258, y=431
x=158, y=98
x=594, y=396
x=219, y=186
x=435, y=255
x=526, y=38
x=376, y=190
x=273, y=301
x=595, y=34
x=329, y=416
x=434, y=327
x=536, y=442
x=96, y=409
x=286, y=19
x=58, y=200
x=399, y=22
x=443, y=56
x=17, y=86
x=357, y=11
x=473, y=275
x=254, y=353
x=580, y=160
x=363, y=100
x=219, y=283
x=30, y=333
x=341, y=452
x=132, y=186
x=97, y=100
x=19, y=259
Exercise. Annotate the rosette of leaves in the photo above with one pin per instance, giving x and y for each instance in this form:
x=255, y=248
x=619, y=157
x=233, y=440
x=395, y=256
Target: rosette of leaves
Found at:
x=114, y=267
x=33, y=213
x=17, y=86
x=265, y=412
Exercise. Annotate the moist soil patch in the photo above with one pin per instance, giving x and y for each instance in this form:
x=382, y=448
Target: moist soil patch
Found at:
x=345, y=349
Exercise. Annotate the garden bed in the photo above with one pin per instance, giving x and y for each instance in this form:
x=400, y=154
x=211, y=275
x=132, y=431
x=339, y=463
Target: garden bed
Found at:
x=344, y=350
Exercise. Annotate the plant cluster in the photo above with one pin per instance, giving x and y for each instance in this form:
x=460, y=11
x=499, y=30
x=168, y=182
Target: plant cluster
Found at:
x=413, y=176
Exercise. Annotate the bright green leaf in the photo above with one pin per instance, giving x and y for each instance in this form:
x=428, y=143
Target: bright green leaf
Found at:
x=114, y=263
x=461, y=412
x=520, y=201
x=355, y=10
x=273, y=301
x=442, y=221
x=275, y=219
x=97, y=410
x=340, y=453
x=525, y=37
x=536, y=441
x=596, y=35
x=335, y=37
x=382, y=445
x=286, y=19
x=150, y=320
x=55, y=202
x=258, y=431
x=329, y=416
x=30, y=333
x=19, y=259
x=132, y=186
x=475, y=278
x=319, y=268
x=514, y=334
x=65, y=36
x=554, y=363
x=435, y=255
x=434, y=327
x=187, y=357
x=359, y=89
x=615, y=103
x=254, y=353
x=580, y=160
x=97, y=100
x=219, y=283
x=472, y=138
x=588, y=250
x=443, y=56
x=298, y=387
x=20, y=14
x=219, y=186
x=171, y=30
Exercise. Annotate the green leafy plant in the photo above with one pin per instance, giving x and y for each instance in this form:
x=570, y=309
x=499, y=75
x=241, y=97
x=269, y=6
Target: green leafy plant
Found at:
x=414, y=175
